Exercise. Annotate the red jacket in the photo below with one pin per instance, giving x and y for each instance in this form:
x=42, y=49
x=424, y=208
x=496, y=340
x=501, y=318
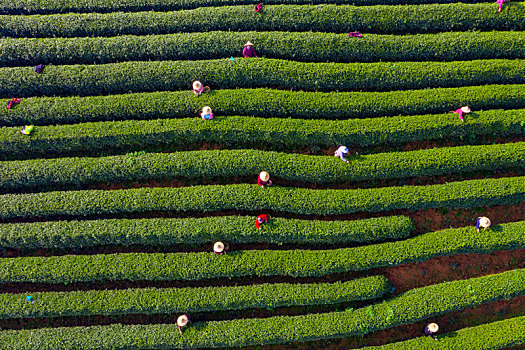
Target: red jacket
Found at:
x=264, y=219
x=248, y=51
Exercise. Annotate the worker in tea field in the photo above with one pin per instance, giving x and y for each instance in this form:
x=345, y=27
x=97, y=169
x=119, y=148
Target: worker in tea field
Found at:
x=461, y=111
x=248, y=50
x=482, y=221
x=182, y=321
x=220, y=248
x=261, y=219
x=198, y=88
x=264, y=179
x=26, y=130
x=431, y=329
x=206, y=113
x=341, y=152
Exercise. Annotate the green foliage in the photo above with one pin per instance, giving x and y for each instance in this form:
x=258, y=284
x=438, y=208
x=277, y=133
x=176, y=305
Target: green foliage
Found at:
x=275, y=133
x=446, y=46
x=412, y=306
x=232, y=229
x=189, y=300
x=62, y=6
x=319, y=18
x=299, y=168
x=295, y=263
x=246, y=73
x=212, y=198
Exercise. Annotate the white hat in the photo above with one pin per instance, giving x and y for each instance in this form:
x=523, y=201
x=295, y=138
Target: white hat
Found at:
x=218, y=247
x=249, y=43
x=343, y=149
x=465, y=109
x=264, y=176
x=433, y=327
x=182, y=320
x=484, y=222
x=206, y=110
x=197, y=85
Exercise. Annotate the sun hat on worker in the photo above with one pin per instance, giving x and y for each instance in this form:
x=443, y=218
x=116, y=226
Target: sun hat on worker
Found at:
x=206, y=110
x=218, y=247
x=182, y=320
x=433, y=327
x=343, y=149
x=249, y=43
x=465, y=109
x=264, y=176
x=197, y=85
x=484, y=222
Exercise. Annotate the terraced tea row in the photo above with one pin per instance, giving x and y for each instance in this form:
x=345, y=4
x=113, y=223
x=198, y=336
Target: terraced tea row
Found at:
x=448, y=46
x=127, y=77
x=165, y=232
x=213, y=198
x=290, y=18
x=41, y=174
x=414, y=305
x=188, y=300
x=46, y=7
x=268, y=103
x=491, y=336
x=294, y=263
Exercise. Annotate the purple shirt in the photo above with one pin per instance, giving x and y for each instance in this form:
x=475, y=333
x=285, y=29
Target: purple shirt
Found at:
x=248, y=51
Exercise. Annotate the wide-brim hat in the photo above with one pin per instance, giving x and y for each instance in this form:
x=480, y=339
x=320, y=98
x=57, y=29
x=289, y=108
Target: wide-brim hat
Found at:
x=197, y=85
x=182, y=320
x=249, y=43
x=433, y=327
x=465, y=109
x=484, y=222
x=264, y=176
x=206, y=110
x=344, y=149
x=218, y=247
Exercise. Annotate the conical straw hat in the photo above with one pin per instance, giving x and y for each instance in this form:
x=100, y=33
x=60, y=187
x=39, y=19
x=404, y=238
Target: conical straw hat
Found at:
x=182, y=320
x=433, y=327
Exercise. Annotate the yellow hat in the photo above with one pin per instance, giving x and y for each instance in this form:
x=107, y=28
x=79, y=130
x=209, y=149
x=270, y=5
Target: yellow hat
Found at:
x=465, y=109
x=218, y=247
x=206, y=110
x=433, y=327
x=484, y=222
x=249, y=43
x=197, y=85
x=182, y=320
x=264, y=176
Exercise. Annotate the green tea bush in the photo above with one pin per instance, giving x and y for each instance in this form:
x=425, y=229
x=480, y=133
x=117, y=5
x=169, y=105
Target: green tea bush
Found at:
x=250, y=73
x=295, y=263
x=38, y=173
x=412, y=306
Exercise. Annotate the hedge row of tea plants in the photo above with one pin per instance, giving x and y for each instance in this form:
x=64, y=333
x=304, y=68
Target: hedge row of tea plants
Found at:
x=247, y=73
x=189, y=300
x=491, y=336
x=191, y=231
x=295, y=263
x=213, y=198
x=445, y=46
x=103, y=6
x=412, y=306
x=268, y=103
x=290, y=18
x=274, y=133
x=225, y=164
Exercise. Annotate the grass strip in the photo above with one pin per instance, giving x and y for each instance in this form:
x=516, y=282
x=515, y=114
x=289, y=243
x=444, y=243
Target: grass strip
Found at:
x=247, y=73
x=212, y=198
x=263, y=103
x=412, y=306
x=212, y=164
x=187, y=300
x=191, y=231
x=295, y=263
x=307, y=47
x=290, y=18
x=490, y=336
x=103, y=6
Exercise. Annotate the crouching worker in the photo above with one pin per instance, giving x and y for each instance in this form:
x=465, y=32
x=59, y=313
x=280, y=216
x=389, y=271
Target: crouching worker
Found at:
x=261, y=219
x=264, y=179
x=220, y=248
x=431, y=329
x=182, y=321
x=206, y=113
x=483, y=222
